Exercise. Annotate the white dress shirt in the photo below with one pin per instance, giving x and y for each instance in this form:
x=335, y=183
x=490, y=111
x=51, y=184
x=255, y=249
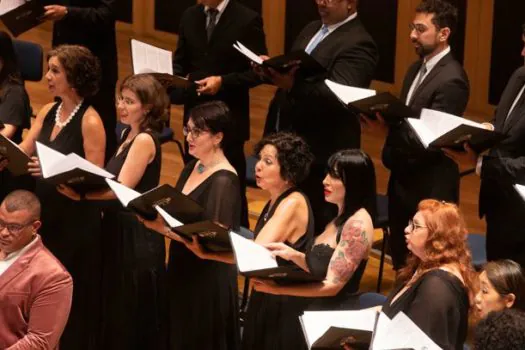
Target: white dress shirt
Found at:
x=331, y=28
x=12, y=257
x=220, y=8
x=430, y=64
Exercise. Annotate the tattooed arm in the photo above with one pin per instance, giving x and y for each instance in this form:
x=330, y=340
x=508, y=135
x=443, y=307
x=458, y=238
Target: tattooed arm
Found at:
x=351, y=250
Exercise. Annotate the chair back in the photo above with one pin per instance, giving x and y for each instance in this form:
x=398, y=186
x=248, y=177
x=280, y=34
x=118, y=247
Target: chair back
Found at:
x=30, y=58
x=370, y=299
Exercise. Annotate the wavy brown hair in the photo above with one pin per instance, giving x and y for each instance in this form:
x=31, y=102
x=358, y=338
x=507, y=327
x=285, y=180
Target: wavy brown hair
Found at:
x=153, y=96
x=446, y=243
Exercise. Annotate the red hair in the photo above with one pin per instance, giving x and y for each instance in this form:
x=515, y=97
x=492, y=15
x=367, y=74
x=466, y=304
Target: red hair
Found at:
x=446, y=243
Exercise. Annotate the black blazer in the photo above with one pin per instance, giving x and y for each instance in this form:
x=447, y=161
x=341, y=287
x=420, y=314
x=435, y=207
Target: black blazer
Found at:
x=505, y=164
x=350, y=56
x=417, y=173
x=91, y=23
x=198, y=58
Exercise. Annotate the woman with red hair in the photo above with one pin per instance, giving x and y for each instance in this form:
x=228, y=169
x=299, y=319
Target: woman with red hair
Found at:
x=435, y=286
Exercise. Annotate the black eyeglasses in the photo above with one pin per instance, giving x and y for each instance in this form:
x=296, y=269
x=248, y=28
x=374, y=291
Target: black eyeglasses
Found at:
x=419, y=28
x=413, y=226
x=195, y=132
x=14, y=228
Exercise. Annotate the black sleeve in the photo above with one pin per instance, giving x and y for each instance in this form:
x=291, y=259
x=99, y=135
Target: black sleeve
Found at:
x=91, y=18
x=253, y=38
x=436, y=310
x=14, y=108
x=505, y=170
x=224, y=200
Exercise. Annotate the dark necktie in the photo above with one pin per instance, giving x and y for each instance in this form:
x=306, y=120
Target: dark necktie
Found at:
x=212, y=16
x=518, y=108
x=422, y=72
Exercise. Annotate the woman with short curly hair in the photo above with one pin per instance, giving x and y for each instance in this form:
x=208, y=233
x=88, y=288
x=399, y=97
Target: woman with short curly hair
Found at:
x=436, y=285
x=71, y=229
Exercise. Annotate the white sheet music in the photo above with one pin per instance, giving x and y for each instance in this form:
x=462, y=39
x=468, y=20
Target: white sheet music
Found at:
x=170, y=220
x=251, y=256
x=433, y=124
x=9, y=5
x=248, y=53
x=521, y=190
x=348, y=94
x=150, y=59
x=123, y=193
x=316, y=323
x=49, y=159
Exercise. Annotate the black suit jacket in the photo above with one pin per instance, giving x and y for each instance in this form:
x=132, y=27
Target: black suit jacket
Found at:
x=91, y=23
x=417, y=173
x=198, y=58
x=310, y=109
x=505, y=164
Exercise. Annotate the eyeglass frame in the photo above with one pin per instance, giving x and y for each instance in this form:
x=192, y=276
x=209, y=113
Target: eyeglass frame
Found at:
x=18, y=229
x=195, y=132
x=413, y=226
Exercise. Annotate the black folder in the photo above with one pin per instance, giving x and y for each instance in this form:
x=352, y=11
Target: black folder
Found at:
x=212, y=236
x=80, y=180
x=332, y=338
x=285, y=274
x=391, y=108
x=308, y=66
x=173, y=201
x=24, y=17
x=479, y=139
x=169, y=81
x=17, y=158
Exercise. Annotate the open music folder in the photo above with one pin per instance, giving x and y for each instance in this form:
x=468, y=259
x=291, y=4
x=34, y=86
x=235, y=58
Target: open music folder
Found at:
x=21, y=15
x=147, y=58
x=521, y=190
x=442, y=130
x=16, y=156
x=362, y=329
x=254, y=260
x=308, y=66
x=72, y=170
x=369, y=102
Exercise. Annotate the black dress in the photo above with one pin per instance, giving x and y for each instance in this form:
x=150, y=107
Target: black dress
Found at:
x=14, y=110
x=134, y=300
x=318, y=259
x=71, y=231
x=438, y=304
x=203, y=294
x=272, y=321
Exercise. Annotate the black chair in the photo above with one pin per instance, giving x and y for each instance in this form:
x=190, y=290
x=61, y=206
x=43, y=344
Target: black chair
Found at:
x=370, y=299
x=30, y=58
x=477, y=244
x=381, y=221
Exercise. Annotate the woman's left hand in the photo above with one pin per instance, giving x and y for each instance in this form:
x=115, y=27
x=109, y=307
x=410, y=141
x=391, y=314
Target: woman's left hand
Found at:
x=266, y=286
x=68, y=192
x=195, y=246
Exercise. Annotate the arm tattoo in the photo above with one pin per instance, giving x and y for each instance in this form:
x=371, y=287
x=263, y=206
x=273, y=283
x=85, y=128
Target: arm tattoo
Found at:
x=352, y=248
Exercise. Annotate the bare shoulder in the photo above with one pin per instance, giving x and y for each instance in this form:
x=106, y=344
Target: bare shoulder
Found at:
x=91, y=117
x=295, y=203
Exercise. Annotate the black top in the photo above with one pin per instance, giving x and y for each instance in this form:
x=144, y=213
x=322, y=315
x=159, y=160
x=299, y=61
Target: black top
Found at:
x=318, y=259
x=438, y=304
x=15, y=108
x=151, y=176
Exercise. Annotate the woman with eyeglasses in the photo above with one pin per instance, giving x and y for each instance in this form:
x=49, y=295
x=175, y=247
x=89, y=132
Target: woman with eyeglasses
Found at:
x=203, y=294
x=340, y=253
x=436, y=285
x=134, y=280
x=15, y=111
x=502, y=286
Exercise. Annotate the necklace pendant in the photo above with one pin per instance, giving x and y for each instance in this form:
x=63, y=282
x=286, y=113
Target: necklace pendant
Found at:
x=200, y=168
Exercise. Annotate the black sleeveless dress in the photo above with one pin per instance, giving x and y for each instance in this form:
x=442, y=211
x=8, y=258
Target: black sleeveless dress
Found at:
x=71, y=231
x=134, y=299
x=203, y=294
x=318, y=259
x=272, y=321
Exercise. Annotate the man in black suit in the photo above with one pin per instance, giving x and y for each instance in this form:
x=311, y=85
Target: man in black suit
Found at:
x=500, y=169
x=305, y=105
x=91, y=23
x=438, y=82
x=206, y=55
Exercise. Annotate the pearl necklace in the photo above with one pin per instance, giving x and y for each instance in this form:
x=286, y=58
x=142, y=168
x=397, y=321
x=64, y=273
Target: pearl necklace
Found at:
x=61, y=124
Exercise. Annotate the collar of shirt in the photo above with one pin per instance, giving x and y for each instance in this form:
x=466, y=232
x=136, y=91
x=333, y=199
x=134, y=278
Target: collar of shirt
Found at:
x=13, y=256
x=220, y=8
x=333, y=27
x=431, y=63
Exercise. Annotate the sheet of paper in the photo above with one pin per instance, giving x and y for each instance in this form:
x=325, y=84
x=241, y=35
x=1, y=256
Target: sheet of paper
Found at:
x=49, y=159
x=248, y=53
x=521, y=190
x=149, y=59
x=251, y=256
x=348, y=94
x=405, y=334
x=170, y=220
x=316, y=323
x=84, y=164
x=123, y=193
x=9, y=5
